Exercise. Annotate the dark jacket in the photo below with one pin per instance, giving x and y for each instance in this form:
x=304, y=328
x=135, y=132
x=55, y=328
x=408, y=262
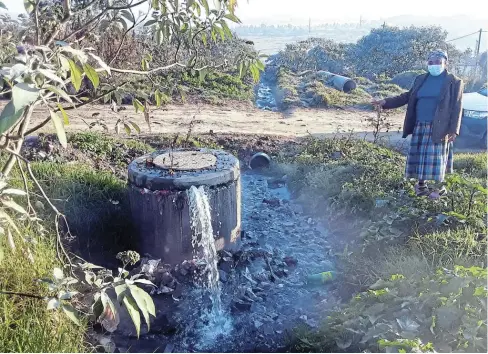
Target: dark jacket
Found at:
x=447, y=119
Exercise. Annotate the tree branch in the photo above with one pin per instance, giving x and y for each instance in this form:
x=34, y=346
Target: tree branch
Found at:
x=100, y=15
x=33, y=296
x=68, y=108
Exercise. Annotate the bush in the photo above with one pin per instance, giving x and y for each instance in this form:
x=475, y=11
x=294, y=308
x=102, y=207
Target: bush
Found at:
x=406, y=79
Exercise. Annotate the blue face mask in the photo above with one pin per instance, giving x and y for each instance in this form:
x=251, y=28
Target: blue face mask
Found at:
x=435, y=70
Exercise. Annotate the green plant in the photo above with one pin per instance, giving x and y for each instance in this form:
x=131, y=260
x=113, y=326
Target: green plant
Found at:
x=443, y=311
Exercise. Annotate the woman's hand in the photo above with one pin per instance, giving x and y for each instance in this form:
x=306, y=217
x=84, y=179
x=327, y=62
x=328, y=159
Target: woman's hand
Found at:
x=451, y=138
x=378, y=103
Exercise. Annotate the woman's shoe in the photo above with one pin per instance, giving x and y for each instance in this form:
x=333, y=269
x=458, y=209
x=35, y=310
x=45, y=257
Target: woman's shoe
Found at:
x=421, y=190
x=438, y=193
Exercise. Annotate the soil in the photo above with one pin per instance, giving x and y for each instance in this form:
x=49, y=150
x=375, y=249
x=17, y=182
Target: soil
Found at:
x=235, y=117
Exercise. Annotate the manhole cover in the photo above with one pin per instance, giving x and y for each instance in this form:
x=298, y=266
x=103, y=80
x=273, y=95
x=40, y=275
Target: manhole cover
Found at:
x=185, y=160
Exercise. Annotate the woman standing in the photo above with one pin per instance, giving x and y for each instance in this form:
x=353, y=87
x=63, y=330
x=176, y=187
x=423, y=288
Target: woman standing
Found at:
x=433, y=119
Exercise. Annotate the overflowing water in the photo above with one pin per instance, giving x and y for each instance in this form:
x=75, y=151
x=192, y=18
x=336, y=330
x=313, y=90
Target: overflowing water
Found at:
x=265, y=97
x=215, y=321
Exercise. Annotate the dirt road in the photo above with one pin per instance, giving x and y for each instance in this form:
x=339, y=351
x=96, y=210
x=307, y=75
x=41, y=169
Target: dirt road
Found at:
x=238, y=118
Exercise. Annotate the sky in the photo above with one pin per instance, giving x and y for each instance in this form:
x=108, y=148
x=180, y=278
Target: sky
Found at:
x=351, y=10
x=299, y=11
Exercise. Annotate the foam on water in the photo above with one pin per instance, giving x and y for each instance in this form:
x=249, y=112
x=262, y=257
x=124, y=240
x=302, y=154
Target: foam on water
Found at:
x=214, y=322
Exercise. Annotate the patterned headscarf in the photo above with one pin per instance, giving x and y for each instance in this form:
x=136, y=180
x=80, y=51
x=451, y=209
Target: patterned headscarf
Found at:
x=438, y=54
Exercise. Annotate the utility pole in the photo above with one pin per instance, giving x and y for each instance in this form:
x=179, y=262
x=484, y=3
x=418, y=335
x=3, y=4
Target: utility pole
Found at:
x=477, y=52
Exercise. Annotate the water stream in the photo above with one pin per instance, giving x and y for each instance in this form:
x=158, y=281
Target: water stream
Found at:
x=215, y=321
x=280, y=231
x=265, y=97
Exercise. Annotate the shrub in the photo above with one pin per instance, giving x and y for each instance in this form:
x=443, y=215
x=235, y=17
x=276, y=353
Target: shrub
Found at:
x=406, y=79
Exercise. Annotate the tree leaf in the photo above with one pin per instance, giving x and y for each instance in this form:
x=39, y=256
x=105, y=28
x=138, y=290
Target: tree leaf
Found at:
x=232, y=17
x=131, y=307
x=59, y=92
x=92, y=75
x=110, y=317
x=127, y=128
x=144, y=281
x=58, y=274
x=23, y=95
x=13, y=205
x=157, y=96
x=136, y=127
x=67, y=295
x=75, y=74
x=10, y=239
x=100, y=62
x=29, y=6
x=205, y=5
x=72, y=314
x=150, y=23
x=51, y=75
x=128, y=15
x=138, y=105
x=53, y=304
x=12, y=191
x=58, y=125
x=63, y=113
x=4, y=215
x=141, y=303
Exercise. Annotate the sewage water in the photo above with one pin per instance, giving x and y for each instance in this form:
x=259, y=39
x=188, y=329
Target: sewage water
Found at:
x=215, y=321
x=270, y=306
x=265, y=97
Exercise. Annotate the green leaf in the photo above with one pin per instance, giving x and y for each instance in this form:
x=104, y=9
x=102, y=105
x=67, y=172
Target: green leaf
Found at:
x=121, y=291
x=58, y=125
x=109, y=318
x=75, y=74
x=127, y=128
x=201, y=75
x=53, y=304
x=4, y=215
x=29, y=6
x=11, y=191
x=205, y=5
x=65, y=116
x=128, y=15
x=136, y=127
x=138, y=105
x=157, y=96
x=92, y=75
x=72, y=314
x=59, y=92
x=150, y=23
x=131, y=307
x=23, y=95
x=13, y=205
x=233, y=18
x=140, y=300
x=51, y=75
x=100, y=62
x=58, y=273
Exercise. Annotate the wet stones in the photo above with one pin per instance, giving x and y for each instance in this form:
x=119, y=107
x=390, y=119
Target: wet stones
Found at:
x=273, y=202
x=290, y=261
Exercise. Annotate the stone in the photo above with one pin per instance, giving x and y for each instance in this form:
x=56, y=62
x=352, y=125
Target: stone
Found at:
x=257, y=323
x=241, y=306
x=167, y=279
x=177, y=292
x=272, y=202
x=169, y=348
x=303, y=317
x=336, y=155
x=290, y=261
x=222, y=276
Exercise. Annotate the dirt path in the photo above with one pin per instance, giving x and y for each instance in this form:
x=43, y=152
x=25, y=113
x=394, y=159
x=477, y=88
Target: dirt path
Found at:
x=238, y=118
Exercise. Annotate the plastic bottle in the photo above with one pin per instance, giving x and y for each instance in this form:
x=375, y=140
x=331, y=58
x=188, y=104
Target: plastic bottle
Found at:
x=321, y=278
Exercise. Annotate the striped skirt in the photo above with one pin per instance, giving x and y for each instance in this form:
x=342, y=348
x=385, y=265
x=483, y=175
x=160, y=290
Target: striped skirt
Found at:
x=427, y=160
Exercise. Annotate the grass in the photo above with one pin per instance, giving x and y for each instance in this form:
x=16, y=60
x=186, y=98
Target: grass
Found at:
x=25, y=324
